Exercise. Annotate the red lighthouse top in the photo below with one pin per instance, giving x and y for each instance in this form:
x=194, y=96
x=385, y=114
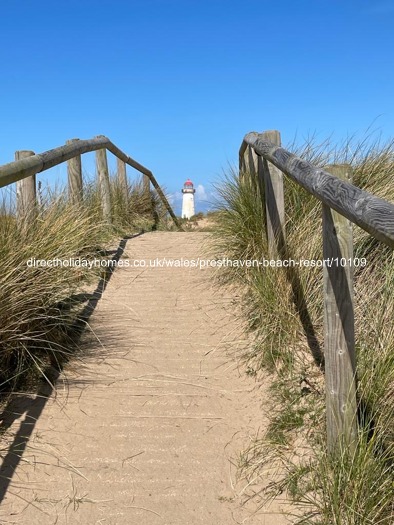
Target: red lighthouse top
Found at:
x=188, y=187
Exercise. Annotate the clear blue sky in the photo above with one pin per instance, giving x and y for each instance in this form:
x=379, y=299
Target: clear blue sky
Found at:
x=178, y=83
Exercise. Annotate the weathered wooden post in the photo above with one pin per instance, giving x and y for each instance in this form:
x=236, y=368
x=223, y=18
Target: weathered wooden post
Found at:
x=339, y=350
x=241, y=159
x=146, y=186
x=104, y=182
x=26, y=192
x=148, y=198
x=122, y=179
x=271, y=186
x=251, y=161
x=74, y=172
x=248, y=161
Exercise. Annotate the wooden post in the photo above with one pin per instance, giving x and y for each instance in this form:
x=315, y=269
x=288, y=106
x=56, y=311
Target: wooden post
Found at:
x=248, y=161
x=122, y=179
x=104, y=183
x=271, y=179
x=339, y=351
x=146, y=193
x=241, y=165
x=146, y=186
x=253, y=162
x=74, y=172
x=26, y=192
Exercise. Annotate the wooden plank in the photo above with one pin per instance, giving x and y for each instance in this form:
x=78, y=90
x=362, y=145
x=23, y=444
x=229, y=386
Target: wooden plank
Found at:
x=74, y=173
x=26, y=192
x=146, y=186
x=122, y=179
x=248, y=162
x=271, y=178
x=339, y=345
x=18, y=170
x=251, y=162
x=148, y=198
x=104, y=183
x=374, y=215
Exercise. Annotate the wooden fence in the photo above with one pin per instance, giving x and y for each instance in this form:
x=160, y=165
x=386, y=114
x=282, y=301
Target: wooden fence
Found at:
x=27, y=164
x=342, y=204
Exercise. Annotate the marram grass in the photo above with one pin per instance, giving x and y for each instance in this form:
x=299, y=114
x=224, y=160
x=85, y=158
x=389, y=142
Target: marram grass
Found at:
x=285, y=312
x=39, y=306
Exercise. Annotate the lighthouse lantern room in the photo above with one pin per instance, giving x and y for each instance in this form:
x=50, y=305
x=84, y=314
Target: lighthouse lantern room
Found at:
x=188, y=200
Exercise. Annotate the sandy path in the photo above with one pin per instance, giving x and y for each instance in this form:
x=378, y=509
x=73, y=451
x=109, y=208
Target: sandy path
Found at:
x=144, y=430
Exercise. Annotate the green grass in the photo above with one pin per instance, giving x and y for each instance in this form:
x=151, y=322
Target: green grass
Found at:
x=351, y=487
x=284, y=311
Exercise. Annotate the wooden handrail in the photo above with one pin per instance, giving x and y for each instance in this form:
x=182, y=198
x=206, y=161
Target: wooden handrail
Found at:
x=372, y=214
x=261, y=156
x=21, y=169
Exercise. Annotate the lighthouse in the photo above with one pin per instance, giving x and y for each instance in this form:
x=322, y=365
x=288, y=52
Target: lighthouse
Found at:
x=188, y=200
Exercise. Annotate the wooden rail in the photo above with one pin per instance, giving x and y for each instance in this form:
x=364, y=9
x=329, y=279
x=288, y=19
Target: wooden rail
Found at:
x=343, y=203
x=31, y=164
x=372, y=214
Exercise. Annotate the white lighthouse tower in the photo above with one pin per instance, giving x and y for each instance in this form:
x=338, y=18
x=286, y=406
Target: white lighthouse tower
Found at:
x=188, y=200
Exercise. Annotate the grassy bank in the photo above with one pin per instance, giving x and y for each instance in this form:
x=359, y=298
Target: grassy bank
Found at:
x=284, y=311
x=40, y=306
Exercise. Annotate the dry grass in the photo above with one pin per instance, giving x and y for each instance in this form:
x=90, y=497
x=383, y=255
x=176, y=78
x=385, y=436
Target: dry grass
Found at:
x=39, y=306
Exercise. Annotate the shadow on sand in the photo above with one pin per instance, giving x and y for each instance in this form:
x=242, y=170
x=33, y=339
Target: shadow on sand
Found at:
x=33, y=404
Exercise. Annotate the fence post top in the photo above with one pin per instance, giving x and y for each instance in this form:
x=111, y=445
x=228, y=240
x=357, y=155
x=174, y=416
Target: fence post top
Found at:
x=24, y=153
x=269, y=131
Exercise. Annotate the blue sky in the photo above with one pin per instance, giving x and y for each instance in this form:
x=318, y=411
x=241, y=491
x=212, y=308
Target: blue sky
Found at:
x=177, y=84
